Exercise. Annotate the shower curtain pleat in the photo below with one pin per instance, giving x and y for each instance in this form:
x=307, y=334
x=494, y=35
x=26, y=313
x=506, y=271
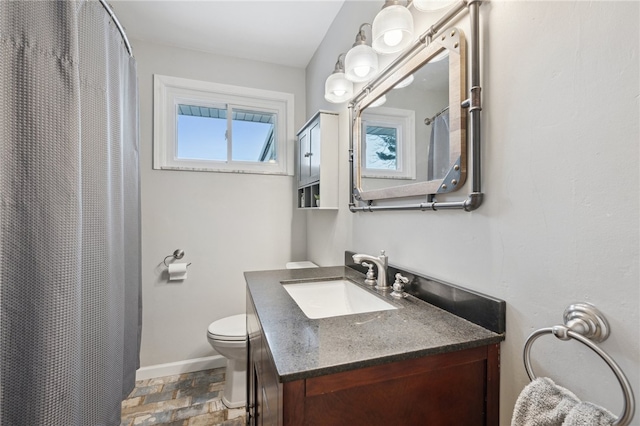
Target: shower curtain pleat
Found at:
x=69, y=215
x=438, y=162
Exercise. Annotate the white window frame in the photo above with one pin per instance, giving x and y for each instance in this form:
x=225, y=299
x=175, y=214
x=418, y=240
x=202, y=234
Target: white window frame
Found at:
x=404, y=121
x=169, y=92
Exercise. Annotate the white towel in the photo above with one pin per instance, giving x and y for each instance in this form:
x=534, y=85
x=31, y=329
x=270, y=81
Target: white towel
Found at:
x=586, y=413
x=543, y=403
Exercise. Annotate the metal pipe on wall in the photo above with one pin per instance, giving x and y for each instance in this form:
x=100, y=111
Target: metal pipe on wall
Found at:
x=476, y=104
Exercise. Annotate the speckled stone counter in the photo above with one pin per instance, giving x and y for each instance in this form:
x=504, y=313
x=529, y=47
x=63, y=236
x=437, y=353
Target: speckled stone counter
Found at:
x=303, y=348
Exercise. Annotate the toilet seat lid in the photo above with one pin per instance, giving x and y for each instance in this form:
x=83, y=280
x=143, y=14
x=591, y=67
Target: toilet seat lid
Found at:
x=229, y=328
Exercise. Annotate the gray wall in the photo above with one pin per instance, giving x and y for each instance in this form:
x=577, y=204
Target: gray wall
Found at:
x=560, y=171
x=227, y=223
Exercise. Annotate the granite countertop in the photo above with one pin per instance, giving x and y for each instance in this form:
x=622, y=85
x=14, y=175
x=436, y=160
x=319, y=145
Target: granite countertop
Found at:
x=304, y=348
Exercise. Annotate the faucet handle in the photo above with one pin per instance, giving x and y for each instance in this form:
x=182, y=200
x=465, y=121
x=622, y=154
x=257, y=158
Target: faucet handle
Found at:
x=371, y=278
x=401, y=278
x=398, y=286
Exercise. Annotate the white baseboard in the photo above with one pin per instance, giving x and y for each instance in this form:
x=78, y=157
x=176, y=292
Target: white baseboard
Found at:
x=180, y=367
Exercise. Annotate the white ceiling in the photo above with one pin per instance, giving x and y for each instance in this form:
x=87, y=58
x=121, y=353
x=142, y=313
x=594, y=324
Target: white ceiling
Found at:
x=283, y=32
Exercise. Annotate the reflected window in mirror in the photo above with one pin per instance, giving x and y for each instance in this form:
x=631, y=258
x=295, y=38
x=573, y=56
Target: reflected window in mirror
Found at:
x=388, y=143
x=380, y=147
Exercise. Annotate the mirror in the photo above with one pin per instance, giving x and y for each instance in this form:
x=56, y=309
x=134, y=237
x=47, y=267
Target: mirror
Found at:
x=413, y=144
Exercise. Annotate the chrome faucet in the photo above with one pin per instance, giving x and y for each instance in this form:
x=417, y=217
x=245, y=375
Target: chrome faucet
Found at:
x=381, y=265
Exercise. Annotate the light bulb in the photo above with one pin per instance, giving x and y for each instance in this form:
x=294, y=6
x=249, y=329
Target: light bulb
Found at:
x=337, y=88
x=393, y=37
x=392, y=28
x=361, y=63
x=361, y=71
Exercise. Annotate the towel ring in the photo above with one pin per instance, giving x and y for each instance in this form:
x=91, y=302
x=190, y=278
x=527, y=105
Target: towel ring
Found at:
x=585, y=323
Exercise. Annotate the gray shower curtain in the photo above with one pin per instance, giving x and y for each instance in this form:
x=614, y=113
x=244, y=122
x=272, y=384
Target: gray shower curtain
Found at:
x=69, y=215
x=438, y=161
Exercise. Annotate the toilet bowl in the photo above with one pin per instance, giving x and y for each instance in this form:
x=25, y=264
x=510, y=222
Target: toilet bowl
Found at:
x=228, y=336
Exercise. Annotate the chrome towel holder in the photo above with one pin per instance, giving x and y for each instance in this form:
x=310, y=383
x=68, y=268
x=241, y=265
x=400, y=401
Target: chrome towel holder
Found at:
x=586, y=324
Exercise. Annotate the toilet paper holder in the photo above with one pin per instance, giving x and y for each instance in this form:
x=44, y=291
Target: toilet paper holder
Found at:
x=178, y=254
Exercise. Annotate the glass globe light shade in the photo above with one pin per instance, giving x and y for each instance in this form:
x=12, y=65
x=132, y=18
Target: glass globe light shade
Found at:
x=378, y=102
x=361, y=63
x=431, y=5
x=337, y=88
x=392, y=29
x=404, y=83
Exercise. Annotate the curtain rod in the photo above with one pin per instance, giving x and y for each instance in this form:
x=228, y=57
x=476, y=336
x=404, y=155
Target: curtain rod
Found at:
x=118, y=26
x=428, y=120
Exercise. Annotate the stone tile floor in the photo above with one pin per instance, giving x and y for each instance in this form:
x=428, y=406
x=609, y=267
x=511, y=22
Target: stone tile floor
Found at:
x=191, y=399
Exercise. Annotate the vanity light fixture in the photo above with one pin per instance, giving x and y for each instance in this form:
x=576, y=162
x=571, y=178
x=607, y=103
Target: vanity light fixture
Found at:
x=392, y=28
x=337, y=89
x=431, y=5
x=404, y=83
x=361, y=62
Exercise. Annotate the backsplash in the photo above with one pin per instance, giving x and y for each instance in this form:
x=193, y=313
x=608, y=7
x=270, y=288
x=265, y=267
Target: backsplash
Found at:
x=480, y=309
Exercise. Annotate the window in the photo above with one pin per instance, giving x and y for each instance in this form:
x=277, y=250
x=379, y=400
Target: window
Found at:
x=388, y=144
x=215, y=127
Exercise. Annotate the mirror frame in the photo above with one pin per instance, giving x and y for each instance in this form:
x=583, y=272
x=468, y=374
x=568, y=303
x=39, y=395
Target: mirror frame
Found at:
x=453, y=40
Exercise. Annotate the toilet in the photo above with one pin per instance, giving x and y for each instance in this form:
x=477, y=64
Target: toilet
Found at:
x=228, y=336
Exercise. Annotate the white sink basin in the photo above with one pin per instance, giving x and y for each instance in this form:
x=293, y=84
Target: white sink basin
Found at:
x=323, y=299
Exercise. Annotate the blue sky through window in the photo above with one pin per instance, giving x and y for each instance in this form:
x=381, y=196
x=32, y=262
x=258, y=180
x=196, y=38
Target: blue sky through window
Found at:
x=249, y=139
x=204, y=138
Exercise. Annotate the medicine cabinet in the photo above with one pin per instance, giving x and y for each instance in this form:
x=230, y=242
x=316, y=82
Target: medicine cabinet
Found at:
x=317, y=162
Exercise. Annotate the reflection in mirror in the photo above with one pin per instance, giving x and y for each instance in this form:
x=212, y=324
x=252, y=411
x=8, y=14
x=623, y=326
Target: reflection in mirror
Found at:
x=416, y=143
x=438, y=160
x=388, y=145
x=420, y=146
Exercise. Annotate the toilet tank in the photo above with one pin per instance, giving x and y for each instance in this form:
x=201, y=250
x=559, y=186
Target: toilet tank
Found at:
x=302, y=264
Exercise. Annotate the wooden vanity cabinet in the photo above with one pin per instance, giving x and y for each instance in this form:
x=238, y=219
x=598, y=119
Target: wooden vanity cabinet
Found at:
x=455, y=388
x=263, y=388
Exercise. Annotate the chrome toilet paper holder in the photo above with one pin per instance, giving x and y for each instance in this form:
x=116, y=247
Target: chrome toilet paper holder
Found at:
x=178, y=254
